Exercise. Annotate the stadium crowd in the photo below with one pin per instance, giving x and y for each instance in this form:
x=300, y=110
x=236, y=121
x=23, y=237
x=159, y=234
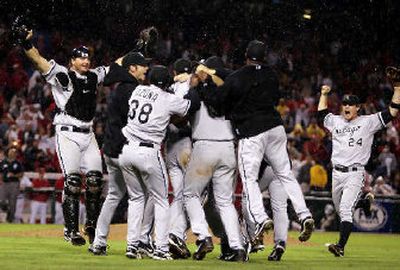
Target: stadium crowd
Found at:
x=305, y=57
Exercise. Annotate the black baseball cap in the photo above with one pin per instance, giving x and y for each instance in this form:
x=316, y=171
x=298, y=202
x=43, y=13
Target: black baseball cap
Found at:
x=135, y=58
x=350, y=100
x=159, y=76
x=182, y=65
x=81, y=51
x=256, y=50
x=214, y=62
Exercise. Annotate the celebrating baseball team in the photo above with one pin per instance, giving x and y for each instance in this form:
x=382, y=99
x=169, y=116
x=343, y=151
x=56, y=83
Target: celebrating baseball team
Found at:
x=200, y=129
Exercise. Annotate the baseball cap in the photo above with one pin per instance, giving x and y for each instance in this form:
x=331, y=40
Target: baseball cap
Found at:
x=81, y=51
x=350, y=100
x=256, y=50
x=159, y=76
x=135, y=58
x=214, y=62
x=182, y=65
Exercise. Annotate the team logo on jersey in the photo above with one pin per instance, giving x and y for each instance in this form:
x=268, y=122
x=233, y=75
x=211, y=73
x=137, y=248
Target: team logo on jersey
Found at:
x=346, y=130
x=376, y=221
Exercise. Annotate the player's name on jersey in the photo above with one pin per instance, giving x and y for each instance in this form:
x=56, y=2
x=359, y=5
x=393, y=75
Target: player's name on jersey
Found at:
x=350, y=130
x=147, y=94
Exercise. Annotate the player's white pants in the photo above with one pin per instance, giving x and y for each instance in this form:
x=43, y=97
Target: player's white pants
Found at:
x=77, y=152
x=116, y=191
x=38, y=208
x=177, y=159
x=59, y=218
x=214, y=161
x=270, y=145
x=346, y=189
x=144, y=171
x=278, y=197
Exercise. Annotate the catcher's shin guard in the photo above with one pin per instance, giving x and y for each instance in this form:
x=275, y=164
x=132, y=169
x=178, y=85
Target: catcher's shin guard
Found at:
x=94, y=187
x=70, y=205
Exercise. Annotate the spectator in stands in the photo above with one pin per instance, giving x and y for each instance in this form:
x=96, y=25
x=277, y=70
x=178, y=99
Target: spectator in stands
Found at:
x=39, y=197
x=59, y=187
x=382, y=188
x=304, y=174
x=388, y=162
x=318, y=177
x=25, y=186
x=314, y=130
x=329, y=222
x=11, y=170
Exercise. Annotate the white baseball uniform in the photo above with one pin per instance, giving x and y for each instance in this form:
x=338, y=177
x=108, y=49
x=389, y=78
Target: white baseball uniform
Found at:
x=141, y=159
x=351, y=149
x=76, y=150
x=213, y=159
x=179, y=148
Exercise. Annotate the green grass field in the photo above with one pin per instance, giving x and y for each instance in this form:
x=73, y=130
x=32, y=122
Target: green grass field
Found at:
x=28, y=247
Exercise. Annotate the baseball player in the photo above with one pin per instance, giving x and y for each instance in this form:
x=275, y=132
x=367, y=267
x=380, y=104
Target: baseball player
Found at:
x=352, y=137
x=129, y=76
x=74, y=90
x=213, y=158
x=249, y=96
x=179, y=148
x=150, y=109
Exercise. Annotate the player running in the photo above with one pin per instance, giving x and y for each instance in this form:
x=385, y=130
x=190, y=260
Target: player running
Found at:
x=352, y=137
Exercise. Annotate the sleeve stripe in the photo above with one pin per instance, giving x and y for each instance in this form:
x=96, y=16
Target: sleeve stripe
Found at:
x=381, y=119
x=53, y=65
x=187, y=107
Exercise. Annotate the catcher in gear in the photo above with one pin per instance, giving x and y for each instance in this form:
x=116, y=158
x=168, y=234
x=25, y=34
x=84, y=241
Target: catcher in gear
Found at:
x=74, y=90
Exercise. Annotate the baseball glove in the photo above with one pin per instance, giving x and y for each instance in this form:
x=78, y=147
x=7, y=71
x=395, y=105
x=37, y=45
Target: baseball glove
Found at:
x=149, y=37
x=393, y=74
x=19, y=31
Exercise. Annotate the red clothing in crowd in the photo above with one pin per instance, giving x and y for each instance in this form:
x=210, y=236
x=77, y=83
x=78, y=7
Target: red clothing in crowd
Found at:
x=40, y=196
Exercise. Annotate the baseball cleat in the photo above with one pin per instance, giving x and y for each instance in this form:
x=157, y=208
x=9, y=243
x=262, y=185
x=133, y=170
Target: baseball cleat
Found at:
x=98, y=250
x=307, y=227
x=336, y=250
x=257, y=244
x=75, y=238
x=178, y=248
x=132, y=252
x=146, y=249
x=239, y=255
x=90, y=232
x=162, y=255
x=277, y=253
x=203, y=247
x=265, y=226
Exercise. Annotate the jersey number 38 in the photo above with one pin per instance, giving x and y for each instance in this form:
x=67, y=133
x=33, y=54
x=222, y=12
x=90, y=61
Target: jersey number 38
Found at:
x=144, y=111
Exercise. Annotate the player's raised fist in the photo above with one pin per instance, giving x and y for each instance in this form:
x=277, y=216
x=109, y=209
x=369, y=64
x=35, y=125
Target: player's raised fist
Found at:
x=325, y=89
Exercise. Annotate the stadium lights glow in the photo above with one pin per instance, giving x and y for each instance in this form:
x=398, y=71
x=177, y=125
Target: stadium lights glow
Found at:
x=307, y=16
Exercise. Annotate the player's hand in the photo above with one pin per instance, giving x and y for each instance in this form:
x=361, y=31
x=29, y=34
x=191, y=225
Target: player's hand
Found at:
x=325, y=89
x=203, y=68
x=393, y=74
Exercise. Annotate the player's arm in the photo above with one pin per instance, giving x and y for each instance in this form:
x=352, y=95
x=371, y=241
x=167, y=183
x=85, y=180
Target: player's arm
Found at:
x=323, y=103
x=41, y=64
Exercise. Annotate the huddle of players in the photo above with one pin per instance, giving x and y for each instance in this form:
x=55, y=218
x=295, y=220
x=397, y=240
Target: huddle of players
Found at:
x=223, y=107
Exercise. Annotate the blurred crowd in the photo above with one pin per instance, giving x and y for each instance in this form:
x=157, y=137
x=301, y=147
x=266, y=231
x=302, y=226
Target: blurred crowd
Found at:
x=306, y=54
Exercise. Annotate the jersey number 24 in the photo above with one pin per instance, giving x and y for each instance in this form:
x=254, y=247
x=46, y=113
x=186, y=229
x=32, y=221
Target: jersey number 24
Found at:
x=144, y=112
x=353, y=142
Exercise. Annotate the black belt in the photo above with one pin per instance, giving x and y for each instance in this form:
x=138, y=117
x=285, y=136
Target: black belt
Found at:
x=146, y=144
x=347, y=169
x=75, y=129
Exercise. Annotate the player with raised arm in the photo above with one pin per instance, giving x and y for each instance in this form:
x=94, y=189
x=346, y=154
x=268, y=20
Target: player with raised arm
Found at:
x=352, y=137
x=74, y=90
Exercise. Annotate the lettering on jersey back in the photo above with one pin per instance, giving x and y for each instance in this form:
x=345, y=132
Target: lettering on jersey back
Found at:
x=148, y=94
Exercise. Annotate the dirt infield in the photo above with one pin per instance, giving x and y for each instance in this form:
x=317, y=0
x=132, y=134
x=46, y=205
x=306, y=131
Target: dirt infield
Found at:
x=118, y=232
